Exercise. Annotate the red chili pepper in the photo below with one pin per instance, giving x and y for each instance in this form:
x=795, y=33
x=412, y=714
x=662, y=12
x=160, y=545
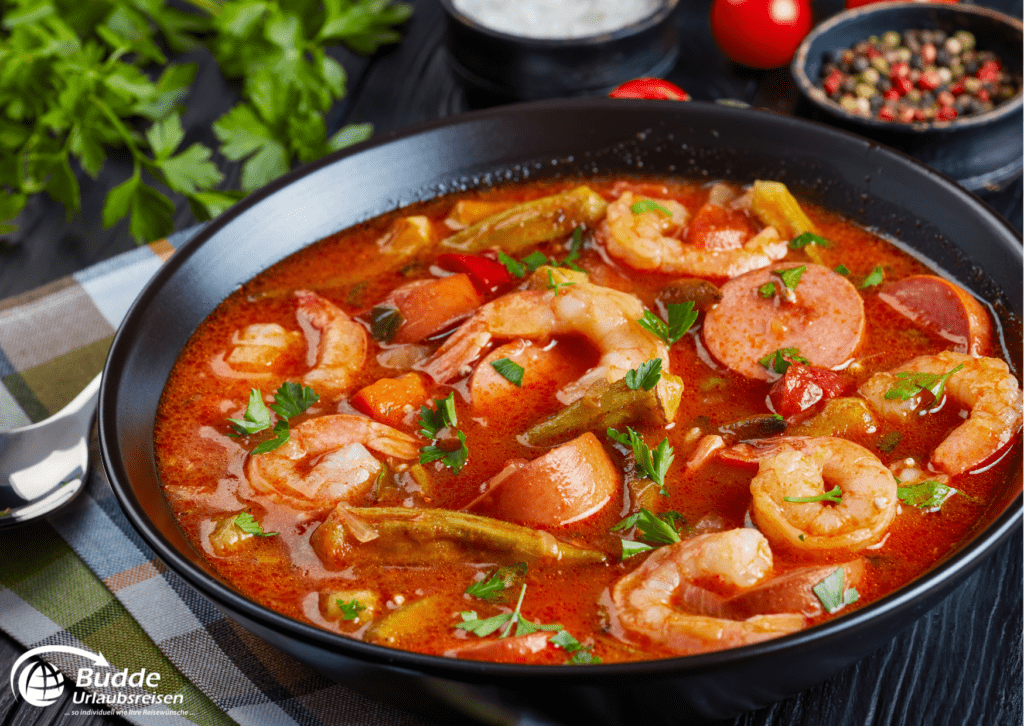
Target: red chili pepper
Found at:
x=656, y=88
x=834, y=80
x=486, y=274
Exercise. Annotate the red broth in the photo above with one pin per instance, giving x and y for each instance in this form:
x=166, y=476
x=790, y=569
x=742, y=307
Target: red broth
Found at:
x=378, y=591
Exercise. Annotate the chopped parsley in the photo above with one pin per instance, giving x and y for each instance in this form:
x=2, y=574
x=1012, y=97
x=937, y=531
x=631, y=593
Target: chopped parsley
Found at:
x=513, y=267
x=780, y=360
x=649, y=205
x=842, y=269
x=791, y=277
x=350, y=610
x=680, y=318
x=654, y=464
x=556, y=286
x=431, y=422
x=808, y=238
x=509, y=370
x=290, y=400
x=835, y=494
x=929, y=494
x=645, y=376
x=454, y=459
x=385, y=322
x=657, y=529
x=487, y=626
x=767, y=290
x=580, y=654
x=875, y=277
x=536, y=259
x=831, y=593
x=503, y=578
x=909, y=385
x=248, y=524
x=890, y=441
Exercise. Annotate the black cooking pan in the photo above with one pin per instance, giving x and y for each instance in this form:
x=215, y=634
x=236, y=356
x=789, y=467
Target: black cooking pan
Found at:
x=875, y=187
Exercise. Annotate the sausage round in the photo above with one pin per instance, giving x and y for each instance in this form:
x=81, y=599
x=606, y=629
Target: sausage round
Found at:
x=943, y=308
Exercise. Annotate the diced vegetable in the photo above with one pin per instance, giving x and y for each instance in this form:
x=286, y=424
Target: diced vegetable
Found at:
x=843, y=417
x=421, y=536
x=388, y=400
x=756, y=427
x=356, y=606
x=409, y=619
x=406, y=237
x=532, y=222
x=803, y=387
x=227, y=538
x=487, y=275
x=430, y=306
x=773, y=204
x=609, y=405
x=701, y=293
x=470, y=211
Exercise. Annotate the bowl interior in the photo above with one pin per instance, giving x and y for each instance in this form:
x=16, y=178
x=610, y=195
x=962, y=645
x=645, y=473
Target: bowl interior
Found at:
x=880, y=189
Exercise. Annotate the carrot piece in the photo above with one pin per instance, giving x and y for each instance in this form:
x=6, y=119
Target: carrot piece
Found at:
x=430, y=306
x=389, y=399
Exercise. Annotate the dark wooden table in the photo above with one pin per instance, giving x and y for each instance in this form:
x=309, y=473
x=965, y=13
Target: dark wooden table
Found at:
x=960, y=664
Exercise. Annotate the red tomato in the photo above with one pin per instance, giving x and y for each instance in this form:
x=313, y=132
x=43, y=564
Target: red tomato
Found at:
x=650, y=88
x=760, y=33
x=858, y=3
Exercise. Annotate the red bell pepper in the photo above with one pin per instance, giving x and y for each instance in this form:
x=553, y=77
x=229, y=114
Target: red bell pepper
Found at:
x=655, y=88
x=487, y=275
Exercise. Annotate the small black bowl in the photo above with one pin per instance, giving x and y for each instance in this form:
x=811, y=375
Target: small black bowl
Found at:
x=983, y=152
x=511, y=67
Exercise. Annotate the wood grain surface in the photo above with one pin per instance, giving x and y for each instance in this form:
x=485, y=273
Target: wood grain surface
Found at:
x=959, y=664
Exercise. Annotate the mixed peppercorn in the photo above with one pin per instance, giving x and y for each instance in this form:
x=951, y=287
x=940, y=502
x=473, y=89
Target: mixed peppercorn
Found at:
x=919, y=75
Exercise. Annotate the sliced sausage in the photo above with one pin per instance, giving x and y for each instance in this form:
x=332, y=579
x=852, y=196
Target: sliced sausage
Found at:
x=532, y=648
x=824, y=323
x=430, y=306
x=944, y=309
x=792, y=592
x=565, y=485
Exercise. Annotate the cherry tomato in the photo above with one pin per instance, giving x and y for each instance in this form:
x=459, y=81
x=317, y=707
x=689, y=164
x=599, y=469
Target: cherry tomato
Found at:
x=858, y=3
x=760, y=33
x=650, y=88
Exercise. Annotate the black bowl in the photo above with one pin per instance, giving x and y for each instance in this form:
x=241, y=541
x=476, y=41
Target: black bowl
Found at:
x=871, y=185
x=981, y=152
x=505, y=66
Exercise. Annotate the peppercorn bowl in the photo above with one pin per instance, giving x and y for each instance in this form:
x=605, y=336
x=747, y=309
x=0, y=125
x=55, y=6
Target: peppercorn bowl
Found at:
x=940, y=82
x=504, y=66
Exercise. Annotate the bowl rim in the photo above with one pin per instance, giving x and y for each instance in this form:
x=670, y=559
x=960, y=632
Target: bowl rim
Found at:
x=812, y=92
x=637, y=27
x=935, y=582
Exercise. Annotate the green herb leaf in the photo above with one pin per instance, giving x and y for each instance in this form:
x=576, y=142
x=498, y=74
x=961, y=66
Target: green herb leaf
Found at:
x=350, y=610
x=645, y=376
x=767, y=290
x=680, y=318
x=292, y=399
x=432, y=420
x=257, y=415
x=656, y=529
x=509, y=370
x=831, y=593
x=482, y=628
x=385, y=322
x=631, y=548
x=536, y=259
x=929, y=495
x=248, y=524
x=648, y=205
x=875, y=277
x=454, y=459
x=909, y=385
x=835, y=494
x=791, y=276
x=842, y=269
x=513, y=267
x=556, y=286
x=890, y=441
x=781, y=359
x=580, y=654
x=654, y=464
x=502, y=579
x=281, y=436
x=808, y=238
x=487, y=626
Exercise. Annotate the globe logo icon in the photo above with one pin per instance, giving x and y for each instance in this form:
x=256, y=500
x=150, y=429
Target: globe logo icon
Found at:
x=40, y=683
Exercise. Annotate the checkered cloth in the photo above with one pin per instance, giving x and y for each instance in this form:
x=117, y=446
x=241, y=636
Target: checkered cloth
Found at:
x=84, y=579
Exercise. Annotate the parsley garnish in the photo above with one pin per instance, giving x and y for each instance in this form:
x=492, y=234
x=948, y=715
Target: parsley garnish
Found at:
x=808, y=238
x=290, y=400
x=537, y=259
x=502, y=579
x=767, y=290
x=248, y=524
x=431, y=422
x=890, y=441
x=835, y=494
x=831, y=593
x=654, y=464
x=454, y=459
x=350, y=610
x=780, y=360
x=909, y=385
x=487, y=626
x=513, y=267
x=648, y=205
x=680, y=318
x=509, y=370
x=556, y=286
x=660, y=529
x=929, y=494
x=874, y=278
x=645, y=376
x=791, y=277
x=581, y=654
x=842, y=269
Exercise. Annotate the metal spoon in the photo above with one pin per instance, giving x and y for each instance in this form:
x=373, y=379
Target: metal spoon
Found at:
x=43, y=465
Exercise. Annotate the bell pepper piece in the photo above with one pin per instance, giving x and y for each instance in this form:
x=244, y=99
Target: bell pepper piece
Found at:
x=773, y=204
x=487, y=275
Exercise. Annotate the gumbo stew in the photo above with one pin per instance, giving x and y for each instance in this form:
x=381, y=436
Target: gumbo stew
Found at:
x=589, y=421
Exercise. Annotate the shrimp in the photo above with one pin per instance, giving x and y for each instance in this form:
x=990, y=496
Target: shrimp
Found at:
x=607, y=317
x=984, y=386
x=336, y=343
x=737, y=558
x=644, y=241
x=801, y=468
x=326, y=460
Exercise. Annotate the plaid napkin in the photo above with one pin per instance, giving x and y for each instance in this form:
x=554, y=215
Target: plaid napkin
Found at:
x=84, y=579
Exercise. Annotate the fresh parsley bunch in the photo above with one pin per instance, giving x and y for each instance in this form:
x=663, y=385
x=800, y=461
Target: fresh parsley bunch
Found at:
x=79, y=80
